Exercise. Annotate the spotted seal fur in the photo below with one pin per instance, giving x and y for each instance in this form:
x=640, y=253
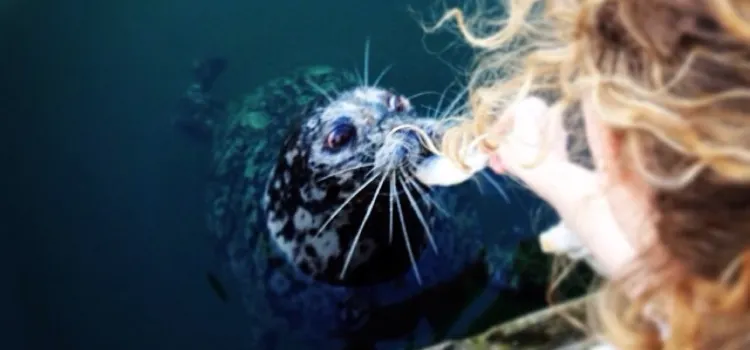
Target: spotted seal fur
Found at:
x=307, y=167
x=342, y=157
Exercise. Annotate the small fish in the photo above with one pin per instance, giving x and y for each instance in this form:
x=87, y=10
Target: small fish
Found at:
x=217, y=287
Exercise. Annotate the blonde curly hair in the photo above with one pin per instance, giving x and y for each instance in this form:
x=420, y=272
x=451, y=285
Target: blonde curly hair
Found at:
x=671, y=79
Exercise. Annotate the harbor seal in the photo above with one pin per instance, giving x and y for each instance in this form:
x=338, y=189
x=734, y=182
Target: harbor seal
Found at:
x=325, y=236
x=340, y=202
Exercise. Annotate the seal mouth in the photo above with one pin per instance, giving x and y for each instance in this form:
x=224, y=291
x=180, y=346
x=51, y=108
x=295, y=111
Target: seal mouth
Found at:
x=393, y=185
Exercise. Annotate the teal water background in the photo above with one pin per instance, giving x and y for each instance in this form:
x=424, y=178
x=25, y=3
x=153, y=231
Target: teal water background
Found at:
x=105, y=243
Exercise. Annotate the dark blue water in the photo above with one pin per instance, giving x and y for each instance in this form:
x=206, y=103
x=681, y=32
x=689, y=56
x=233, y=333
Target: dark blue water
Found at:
x=105, y=244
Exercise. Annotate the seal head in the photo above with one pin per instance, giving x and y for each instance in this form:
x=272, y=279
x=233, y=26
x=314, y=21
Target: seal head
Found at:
x=341, y=203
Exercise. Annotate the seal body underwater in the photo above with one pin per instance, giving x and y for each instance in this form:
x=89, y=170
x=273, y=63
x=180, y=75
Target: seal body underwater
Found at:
x=316, y=215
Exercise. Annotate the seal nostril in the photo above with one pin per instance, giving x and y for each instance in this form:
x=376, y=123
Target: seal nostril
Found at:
x=392, y=103
x=402, y=104
x=397, y=103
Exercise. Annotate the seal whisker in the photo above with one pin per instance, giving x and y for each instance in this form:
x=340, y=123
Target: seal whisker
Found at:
x=418, y=212
x=320, y=89
x=420, y=94
x=535, y=219
x=408, y=245
x=452, y=108
x=478, y=184
x=496, y=186
x=513, y=185
x=360, y=81
x=362, y=226
x=345, y=171
x=391, y=197
x=370, y=171
x=425, y=197
x=381, y=75
x=442, y=98
x=367, y=61
x=348, y=199
x=432, y=112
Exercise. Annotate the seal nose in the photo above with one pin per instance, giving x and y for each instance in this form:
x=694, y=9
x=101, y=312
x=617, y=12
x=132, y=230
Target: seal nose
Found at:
x=401, y=152
x=409, y=141
x=400, y=147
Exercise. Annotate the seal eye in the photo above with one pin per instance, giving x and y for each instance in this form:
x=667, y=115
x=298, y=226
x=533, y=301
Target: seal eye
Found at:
x=340, y=136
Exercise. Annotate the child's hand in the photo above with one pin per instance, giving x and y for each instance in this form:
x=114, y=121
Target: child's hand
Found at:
x=531, y=138
x=533, y=149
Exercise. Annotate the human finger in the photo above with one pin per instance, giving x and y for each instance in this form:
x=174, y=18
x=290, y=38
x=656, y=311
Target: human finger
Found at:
x=496, y=164
x=530, y=133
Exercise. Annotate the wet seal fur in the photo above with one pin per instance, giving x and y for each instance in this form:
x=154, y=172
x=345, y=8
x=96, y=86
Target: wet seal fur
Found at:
x=306, y=198
x=274, y=148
